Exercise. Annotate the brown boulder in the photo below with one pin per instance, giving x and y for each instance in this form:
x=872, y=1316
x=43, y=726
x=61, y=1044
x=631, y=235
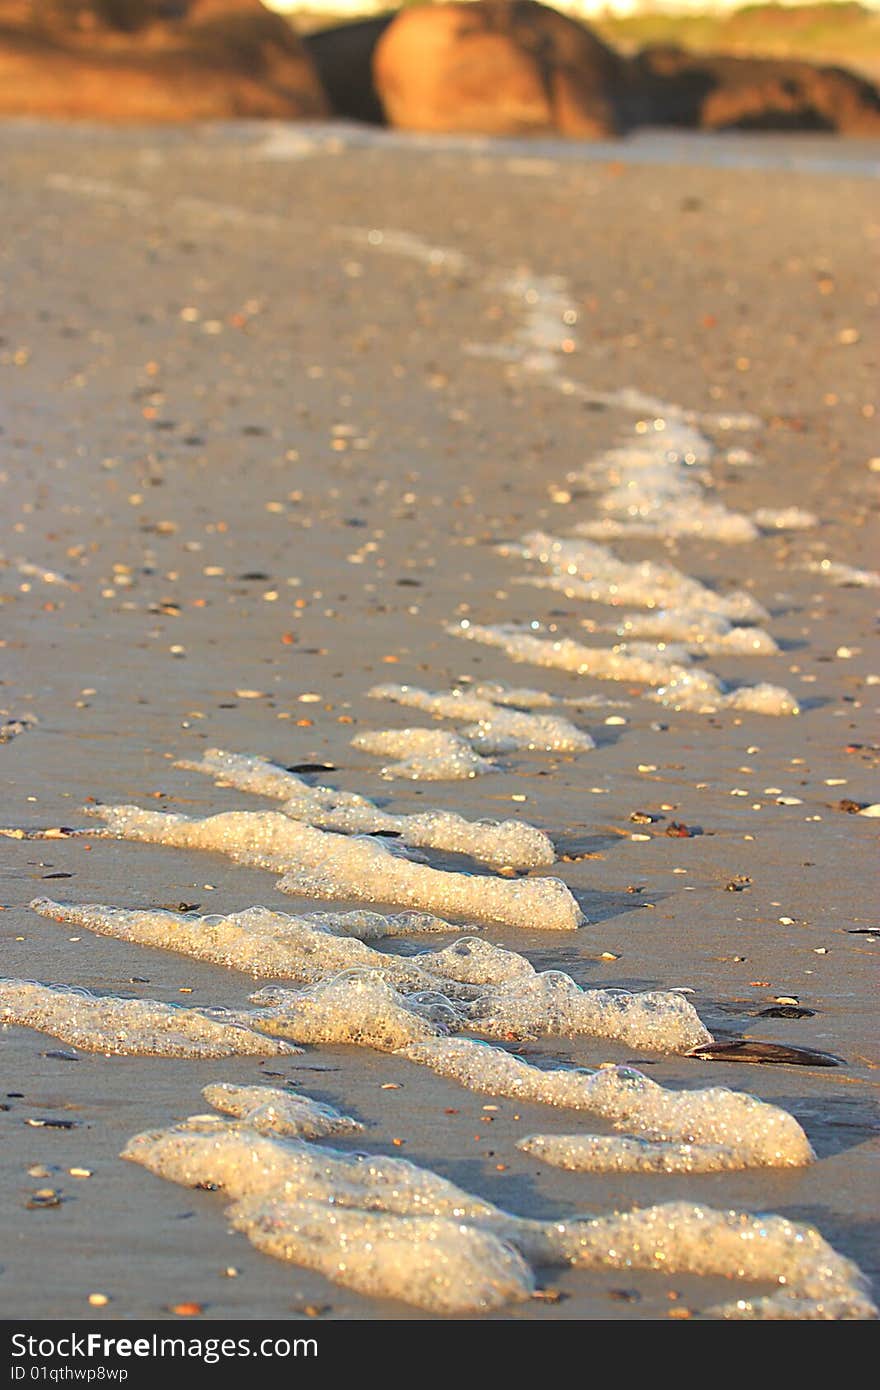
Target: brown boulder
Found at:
x=496, y=67
x=154, y=60
x=670, y=86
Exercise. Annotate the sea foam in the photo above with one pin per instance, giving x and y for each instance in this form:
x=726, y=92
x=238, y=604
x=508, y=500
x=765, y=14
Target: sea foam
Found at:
x=594, y=572
x=388, y=1228
x=494, y=729
x=761, y=1134
x=423, y=755
x=657, y=485
x=274, y=1111
x=130, y=1027
x=366, y=993
x=602, y=1153
x=513, y=843
x=321, y=864
x=260, y=942
x=679, y=685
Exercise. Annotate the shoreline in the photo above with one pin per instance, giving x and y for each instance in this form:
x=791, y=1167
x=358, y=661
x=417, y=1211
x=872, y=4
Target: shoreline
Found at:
x=227, y=388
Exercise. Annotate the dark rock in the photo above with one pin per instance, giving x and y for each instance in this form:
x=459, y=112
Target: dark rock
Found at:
x=752, y=1050
x=343, y=59
x=670, y=86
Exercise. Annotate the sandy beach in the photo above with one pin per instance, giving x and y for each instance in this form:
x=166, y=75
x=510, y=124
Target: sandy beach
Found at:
x=279, y=405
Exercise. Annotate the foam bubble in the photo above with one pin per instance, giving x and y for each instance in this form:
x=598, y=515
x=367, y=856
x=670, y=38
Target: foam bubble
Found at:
x=367, y=995
x=495, y=729
x=601, y=1153
x=475, y=962
x=272, y=1110
x=129, y=1027
x=290, y=1195
x=785, y=519
x=594, y=572
x=379, y=1225
x=356, y=1008
x=423, y=755
x=526, y=698
x=679, y=685
x=698, y=630
x=265, y=944
x=321, y=864
x=656, y=485
x=565, y=654
x=233, y=1156
x=761, y=1134
x=513, y=843
x=844, y=576
x=374, y=926
x=434, y=1264
x=763, y=698
x=814, y=1282
x=552, y=1004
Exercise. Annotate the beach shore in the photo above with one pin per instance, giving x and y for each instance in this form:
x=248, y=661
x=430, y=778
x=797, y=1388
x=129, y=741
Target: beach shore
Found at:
x=272, y=399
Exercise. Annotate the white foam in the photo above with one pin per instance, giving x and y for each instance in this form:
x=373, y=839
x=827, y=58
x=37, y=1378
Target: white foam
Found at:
x=602, y=1153
x=813, y=1281
x=585, y=570
x=378, y=1225
x=844, y=576
x=763, y=698
x=356, y=1009
x=785, y=519
x=552, y=1004
x=761, y=1134
x=408, y=245
x=233, y=1156
x=251, y=772
x=513, y=843
x=475, y=962
x=679, y=685
x=273, y=1111
x=656, y=486
x=698, y=630
x=495, y=729
x=423, y=755
x=543, y=334
x=129, y=1027
x=312, y=1206
x=525, y=697
x=320, y=864
x=265, y=944
x=366, y=994
x=439, y=1265
x=374, y=926
x=565, y=654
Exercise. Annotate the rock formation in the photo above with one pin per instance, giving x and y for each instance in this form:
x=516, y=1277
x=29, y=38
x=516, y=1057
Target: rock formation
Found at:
x=155, y=60
x=496, y=67
x=669, y=86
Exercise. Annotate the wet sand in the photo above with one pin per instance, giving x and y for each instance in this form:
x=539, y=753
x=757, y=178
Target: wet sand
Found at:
x=259, y=445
